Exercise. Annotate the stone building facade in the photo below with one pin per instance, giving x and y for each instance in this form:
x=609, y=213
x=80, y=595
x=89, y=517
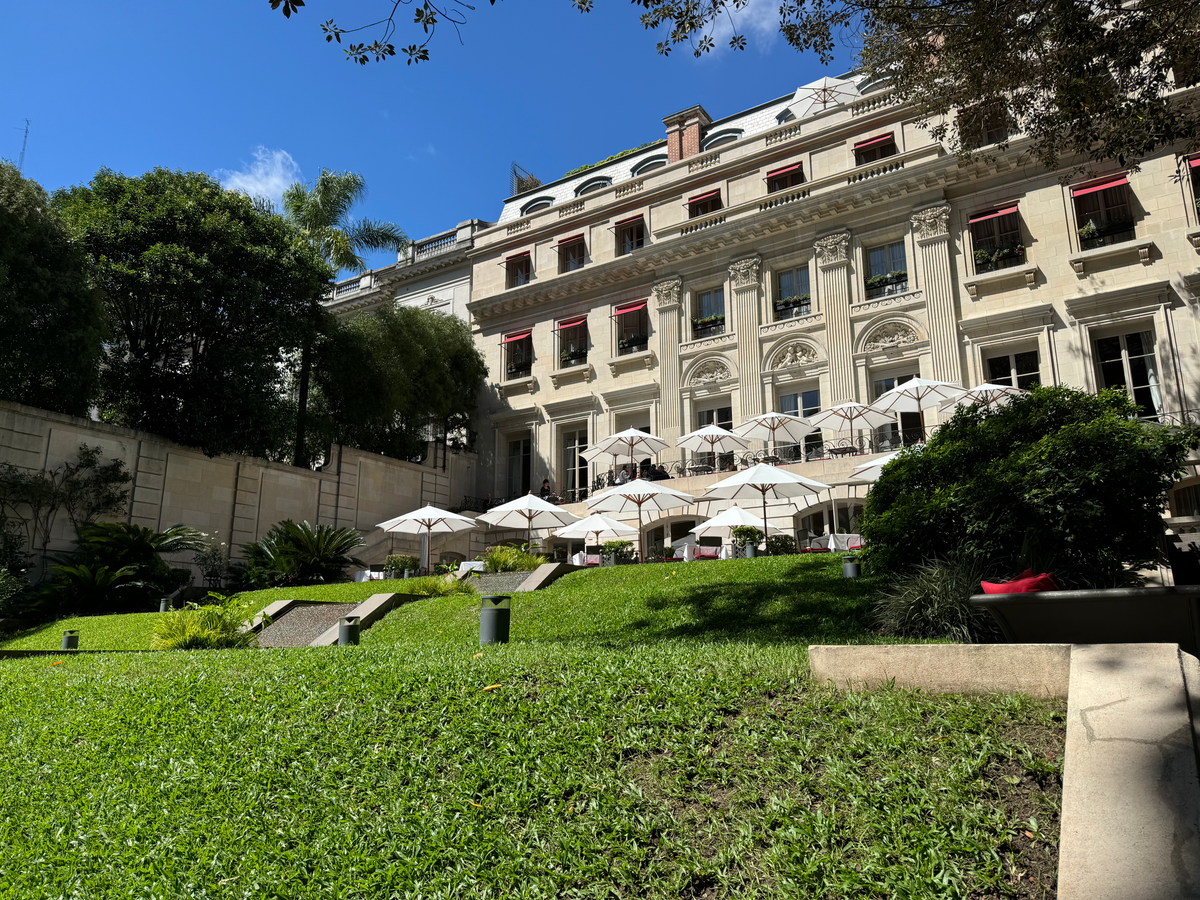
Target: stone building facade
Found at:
x=768, y=262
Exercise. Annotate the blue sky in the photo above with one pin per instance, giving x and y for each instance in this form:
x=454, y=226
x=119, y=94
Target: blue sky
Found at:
x=232, y=88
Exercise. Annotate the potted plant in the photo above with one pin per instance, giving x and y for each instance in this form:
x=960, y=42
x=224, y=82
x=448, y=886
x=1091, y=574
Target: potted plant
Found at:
x=632, y=341
x=705, y=322
x=746, y=539
x=619, y=553
x=877, y=282
x=397, y=565
x=790, y=303
x=571, y=356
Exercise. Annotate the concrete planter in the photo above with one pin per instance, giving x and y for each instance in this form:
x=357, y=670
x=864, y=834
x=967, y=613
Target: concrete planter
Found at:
x=1112, y=616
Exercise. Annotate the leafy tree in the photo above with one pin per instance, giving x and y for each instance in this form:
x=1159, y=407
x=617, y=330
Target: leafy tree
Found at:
x=322, y=212
x=51, y=320
x=1086, y=77
x=385, y=376
x=1057, y=479
x=208, y=297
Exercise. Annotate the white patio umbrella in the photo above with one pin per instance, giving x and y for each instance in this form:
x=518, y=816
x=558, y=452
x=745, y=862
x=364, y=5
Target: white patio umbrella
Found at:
x=850, y=417
x=915, y=395
x=734, y=517
x=870, y=471
x=822, y=94
x=598, y=526
x=628, y=444
x=773, y=425
x=712, y=439
x=762, y=481
x=528, y=512
x=431, y=521
x=986, y=395
x=637, y=495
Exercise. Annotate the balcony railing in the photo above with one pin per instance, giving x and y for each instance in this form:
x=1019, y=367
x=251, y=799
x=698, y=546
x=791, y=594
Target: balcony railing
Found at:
x=435, y=246
x=999, y=258
x=1092, y=235
x=792, y=307
x=886, y=285
x=708, y=326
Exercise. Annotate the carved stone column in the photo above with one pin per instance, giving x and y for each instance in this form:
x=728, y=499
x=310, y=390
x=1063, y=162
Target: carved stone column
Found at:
x=665, y=297
x=833, y=261
x=743, y=277
x=933, y=240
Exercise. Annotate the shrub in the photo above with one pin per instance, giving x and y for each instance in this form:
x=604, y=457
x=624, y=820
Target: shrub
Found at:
x=745, y=534
x=214, y=626
x=212, y=561
x=507, y=558
x=91, y=589
x=11, y=588
x=621, y=551
x=1054, y=473
x=119, y=545
x=294, y=554
x=781, y=545
x=933, y=601
x=397, y=563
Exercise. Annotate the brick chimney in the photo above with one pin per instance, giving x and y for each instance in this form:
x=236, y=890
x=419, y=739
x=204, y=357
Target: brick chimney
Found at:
x=684, y=130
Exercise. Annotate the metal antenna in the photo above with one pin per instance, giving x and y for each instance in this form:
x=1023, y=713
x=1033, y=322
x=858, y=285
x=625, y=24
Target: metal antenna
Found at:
x=24, y=144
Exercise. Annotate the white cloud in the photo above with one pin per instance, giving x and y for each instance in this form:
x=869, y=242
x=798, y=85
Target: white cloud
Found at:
x=272, y=172
x=758, y=20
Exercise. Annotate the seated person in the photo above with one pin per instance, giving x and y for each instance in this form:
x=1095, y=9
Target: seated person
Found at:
x=658, y=473
x=623, y=475
x=546, y=490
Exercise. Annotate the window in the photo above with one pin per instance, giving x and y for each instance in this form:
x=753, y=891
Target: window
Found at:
x=722, y=417
x=996, y=239
x=631, y=235
x=874, y=149
x=518, y=270
x=801, y=403
x=793, y=297
x=1127, y=361
x=1194, y=168
x=721, y=137
x=1015, y=370
x=536, y=204
x=572, y=342
x=704, y=204
x=593, y=184
x=633, y=327
x=648, y=164
x=518, y=354
x=1102, y=213
x=710, y=313
x=786, y=116
x=887, y=271
x=782, y=179
x=979, y=126
x=520, y=457
x=893, y=435
x=572, y=252
x=574, y=466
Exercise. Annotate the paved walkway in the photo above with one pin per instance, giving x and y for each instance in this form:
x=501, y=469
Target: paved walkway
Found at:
x=301, y=625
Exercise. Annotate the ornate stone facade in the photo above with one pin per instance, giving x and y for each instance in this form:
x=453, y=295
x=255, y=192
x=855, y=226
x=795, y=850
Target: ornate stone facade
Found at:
x=744, y=272
x=930, y=223
x=666, y=293
x=797, y=353
x=710, y=371
x=832, y=248
x=893, y=334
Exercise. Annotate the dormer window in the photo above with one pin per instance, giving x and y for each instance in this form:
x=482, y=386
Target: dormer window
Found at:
x=536, y=204
x=717, y=138
x=703, y=204
x=787, y=177
x=648, y=164
x=593, y=184
x=786, y=116
x=572, y=253
x=518, y=270
x=874, y=149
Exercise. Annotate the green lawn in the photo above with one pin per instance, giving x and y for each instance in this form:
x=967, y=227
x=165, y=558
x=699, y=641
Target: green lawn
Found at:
x=131, y=631
x=651, y=732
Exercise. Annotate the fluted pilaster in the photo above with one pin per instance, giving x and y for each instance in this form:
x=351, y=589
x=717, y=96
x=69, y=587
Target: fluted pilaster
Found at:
x=833, y=262
x=744, y=280
x=930, y=229
x=665, y=297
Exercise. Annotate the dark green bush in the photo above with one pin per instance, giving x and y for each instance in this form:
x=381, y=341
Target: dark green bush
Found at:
x=780, y=545
x=931, y=601
x=1056, y=480
x=296, y=554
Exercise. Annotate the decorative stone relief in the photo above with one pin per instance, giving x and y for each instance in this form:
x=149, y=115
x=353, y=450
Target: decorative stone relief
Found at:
x=794, y=354
x=713, y=370
x=744, y=272
x=666, y=293
x=833, y=248
x=930, y=223
x=894, y=334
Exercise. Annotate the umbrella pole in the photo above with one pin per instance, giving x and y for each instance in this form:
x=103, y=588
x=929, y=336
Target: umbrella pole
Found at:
x=764, y=498
x=641, y=537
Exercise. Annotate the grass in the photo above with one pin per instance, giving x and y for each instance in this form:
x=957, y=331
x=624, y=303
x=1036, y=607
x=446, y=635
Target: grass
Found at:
x=130, y=631
x=354, y=592
x=651, y=732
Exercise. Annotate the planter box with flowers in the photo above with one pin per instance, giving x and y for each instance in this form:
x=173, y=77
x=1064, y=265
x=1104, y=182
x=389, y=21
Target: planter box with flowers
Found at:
x=707, y=326
x=1000, y=258
x=790, y=307
x=1117, y=231
x=634, y=343
x=568, y=358
x=885, y=285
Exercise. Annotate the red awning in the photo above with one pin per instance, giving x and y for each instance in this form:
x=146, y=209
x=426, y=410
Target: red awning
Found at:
x=519, y=336
x=983, y=217
x=875, y=140
x=628, y=221
x=704, y=196
x=786, y=170
x=517, y=256
x=1194, y=163
x=574, y=237
x=1104, y=185
x=629, y=307
x=571, y=323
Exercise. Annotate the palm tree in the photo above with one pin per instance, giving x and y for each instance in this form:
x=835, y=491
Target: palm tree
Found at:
x=322, y=211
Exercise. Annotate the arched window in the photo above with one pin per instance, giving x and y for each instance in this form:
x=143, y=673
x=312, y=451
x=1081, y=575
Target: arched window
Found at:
x=786, y=116
x=537, y=203
x=593, y=184
x=728, y=136
x=648, y=164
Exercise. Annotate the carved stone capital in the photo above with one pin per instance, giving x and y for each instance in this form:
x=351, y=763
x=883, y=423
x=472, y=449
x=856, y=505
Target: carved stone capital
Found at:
x=930, y=223
x=712, y=370
x=667, y=293
x=744, y=272
x=833, y=248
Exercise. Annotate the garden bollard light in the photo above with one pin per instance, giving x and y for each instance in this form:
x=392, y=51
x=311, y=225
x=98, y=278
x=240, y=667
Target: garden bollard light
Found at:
x=851, y=567
x=164, y=605
x=70, y=640
x=495, y=615
x=751, y=550
x=348, y=631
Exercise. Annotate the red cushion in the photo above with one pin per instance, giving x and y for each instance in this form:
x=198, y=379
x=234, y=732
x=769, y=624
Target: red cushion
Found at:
x=1025, y=583
x=818, y=549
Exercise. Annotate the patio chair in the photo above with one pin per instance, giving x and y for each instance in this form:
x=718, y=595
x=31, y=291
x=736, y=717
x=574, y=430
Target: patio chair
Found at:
x=707, y=553
x=591, y=559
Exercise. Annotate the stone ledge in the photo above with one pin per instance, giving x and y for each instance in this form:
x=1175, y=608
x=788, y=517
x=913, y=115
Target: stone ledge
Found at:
x=1144, y=248
x=987, y=279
